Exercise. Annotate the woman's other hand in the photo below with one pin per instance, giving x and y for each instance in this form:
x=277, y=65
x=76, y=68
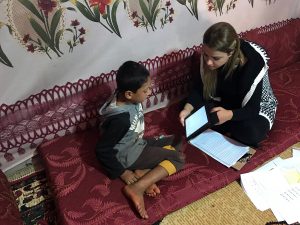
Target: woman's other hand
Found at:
x=188, y=108
x=182, y=115
x=223, y=114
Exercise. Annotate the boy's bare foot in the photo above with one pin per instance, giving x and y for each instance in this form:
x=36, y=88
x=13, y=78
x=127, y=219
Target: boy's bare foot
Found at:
x=153, y=190
x=129, y=177
x=136, y=196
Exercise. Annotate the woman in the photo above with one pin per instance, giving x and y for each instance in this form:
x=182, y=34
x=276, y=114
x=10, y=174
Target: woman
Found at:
x=234, y=76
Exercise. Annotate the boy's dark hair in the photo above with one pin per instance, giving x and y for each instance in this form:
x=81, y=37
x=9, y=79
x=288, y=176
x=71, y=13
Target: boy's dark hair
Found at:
x=131, y=76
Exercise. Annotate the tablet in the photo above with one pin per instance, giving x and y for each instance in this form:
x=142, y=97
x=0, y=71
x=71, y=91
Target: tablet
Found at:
x=196, y=123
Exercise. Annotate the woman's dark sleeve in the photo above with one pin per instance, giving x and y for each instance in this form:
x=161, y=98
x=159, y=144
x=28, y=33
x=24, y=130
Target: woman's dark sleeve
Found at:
x=114, y=130
x=252, y=69
x=251, y=109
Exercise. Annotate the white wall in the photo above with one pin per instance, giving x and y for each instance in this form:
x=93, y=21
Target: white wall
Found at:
x=103, y=52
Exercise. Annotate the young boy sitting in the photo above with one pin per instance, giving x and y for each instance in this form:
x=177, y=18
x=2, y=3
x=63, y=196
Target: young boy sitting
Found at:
x=122, y=150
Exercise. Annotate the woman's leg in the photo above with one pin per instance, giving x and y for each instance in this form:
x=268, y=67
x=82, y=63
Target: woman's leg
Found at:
x=249, y=132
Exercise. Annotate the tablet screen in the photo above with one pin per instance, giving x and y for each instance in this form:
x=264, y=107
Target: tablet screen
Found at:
x=195, y=121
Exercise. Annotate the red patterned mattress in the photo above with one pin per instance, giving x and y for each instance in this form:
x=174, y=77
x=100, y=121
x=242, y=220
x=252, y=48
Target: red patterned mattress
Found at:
x=84, y=195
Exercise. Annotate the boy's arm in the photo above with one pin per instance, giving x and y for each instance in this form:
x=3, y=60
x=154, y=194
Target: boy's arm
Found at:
x=115, y=129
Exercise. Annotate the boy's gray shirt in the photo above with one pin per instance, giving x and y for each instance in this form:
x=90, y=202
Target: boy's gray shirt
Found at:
x=132, y=144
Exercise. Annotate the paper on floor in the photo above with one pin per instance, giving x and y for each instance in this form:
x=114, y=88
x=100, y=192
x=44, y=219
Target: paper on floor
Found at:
x=276, y=185
x=296, y=152
x=257, y=185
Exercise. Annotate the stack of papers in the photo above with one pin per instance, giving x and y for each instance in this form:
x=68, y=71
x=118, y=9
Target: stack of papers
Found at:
x=276, y=186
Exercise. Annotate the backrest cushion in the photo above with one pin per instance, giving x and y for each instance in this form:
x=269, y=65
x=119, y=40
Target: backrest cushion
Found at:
x=281, y=41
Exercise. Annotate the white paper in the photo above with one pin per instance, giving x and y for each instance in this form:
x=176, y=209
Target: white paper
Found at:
x=271, y=165
x=287, y=202
x=258, y=184
x=223, y=149
x=296, y=152
x=255, y=191
x=276, y=186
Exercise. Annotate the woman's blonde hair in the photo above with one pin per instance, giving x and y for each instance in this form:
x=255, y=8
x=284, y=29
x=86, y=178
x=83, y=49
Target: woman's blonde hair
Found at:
x=221, y=37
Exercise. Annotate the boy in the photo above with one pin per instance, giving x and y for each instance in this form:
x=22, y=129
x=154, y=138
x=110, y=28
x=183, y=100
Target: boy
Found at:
x=122, y=150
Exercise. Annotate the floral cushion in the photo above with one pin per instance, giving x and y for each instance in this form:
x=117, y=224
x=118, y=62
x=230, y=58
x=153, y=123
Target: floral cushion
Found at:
x=85, y=195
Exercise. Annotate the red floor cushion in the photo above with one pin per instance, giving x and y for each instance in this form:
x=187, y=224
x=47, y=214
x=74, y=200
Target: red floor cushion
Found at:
x=85, y=195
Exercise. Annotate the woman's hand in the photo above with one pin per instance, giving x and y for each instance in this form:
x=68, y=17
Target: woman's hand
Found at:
x=183, y=114
x=188, y=108
x=223, y=114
